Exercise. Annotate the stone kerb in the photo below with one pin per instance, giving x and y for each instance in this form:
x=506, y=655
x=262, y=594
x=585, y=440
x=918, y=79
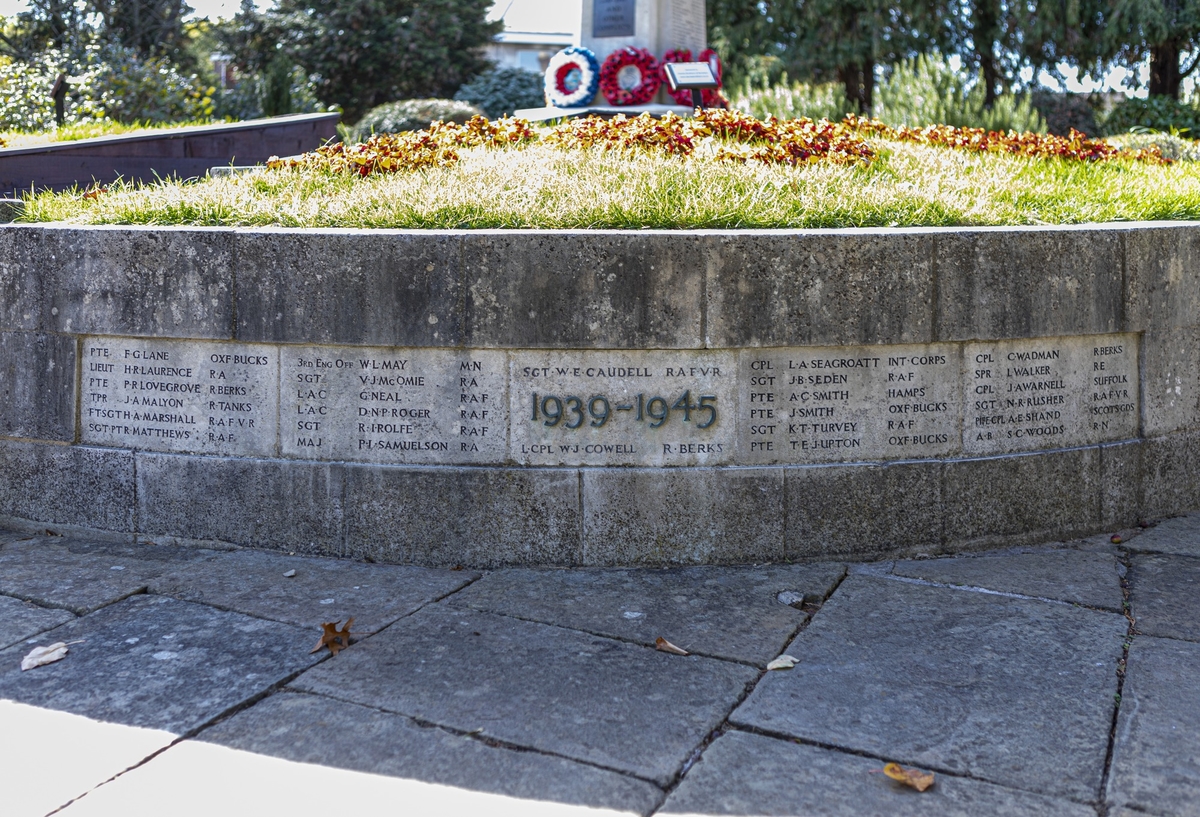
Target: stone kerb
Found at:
x=607, y=397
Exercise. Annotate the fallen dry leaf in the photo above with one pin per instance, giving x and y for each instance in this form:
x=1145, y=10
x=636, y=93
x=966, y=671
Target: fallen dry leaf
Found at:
x=48, y=654
x=916, y=778
x=661, y=643
x=782, y=662
x=333, y=638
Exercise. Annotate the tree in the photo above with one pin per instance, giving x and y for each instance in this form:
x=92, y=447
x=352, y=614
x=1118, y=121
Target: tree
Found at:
x=62, y=25
x=1160, y=30
x=832, y=40
x=149, y=28
x=367, y=52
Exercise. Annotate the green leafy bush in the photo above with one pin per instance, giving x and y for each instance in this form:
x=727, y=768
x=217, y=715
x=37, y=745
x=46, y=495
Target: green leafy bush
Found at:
x=110, y=83
x=501, y=91
x=25, y=101
x=1158, y=113
x=786, y=100
x=129, y=89
x=281, y=89
x=927, y=91
x=411, y=114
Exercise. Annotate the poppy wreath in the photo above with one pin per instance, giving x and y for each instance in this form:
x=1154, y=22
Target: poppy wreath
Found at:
x=675, y=55
x=647, y=66
x=559, y=92
x=712, y=97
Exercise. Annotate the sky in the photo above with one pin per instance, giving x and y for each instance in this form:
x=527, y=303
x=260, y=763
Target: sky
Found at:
x=563, y=15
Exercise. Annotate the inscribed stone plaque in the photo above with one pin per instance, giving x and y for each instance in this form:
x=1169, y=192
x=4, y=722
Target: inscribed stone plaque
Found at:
x=614, y=18
x=393, y=405
x=178, y=395
x=837, y=404
x=623, y=407
x=1024, y=395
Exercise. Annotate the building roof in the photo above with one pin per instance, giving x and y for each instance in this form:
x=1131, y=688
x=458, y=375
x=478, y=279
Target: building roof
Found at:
x=538, y=17
x=560, y=38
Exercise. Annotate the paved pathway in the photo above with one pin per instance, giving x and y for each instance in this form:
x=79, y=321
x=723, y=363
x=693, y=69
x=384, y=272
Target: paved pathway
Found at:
x=1059, y=680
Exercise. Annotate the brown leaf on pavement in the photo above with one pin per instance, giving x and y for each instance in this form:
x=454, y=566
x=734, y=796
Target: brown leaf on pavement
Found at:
x=661, y=643
x=48, y=654
x=782, y=662
x=333, y=638
x=916, y=778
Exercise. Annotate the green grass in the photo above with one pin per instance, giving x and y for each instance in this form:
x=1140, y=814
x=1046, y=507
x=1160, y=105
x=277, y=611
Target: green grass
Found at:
x=544, y=187
x=84, y=130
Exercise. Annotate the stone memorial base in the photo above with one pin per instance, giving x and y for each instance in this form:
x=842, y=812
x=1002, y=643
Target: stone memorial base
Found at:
x=600, y=398
x=606, y=111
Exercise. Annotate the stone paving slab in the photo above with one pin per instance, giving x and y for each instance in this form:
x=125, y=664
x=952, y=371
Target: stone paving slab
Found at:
x=7, y=535
x=195, y=779
x=315, y=729
x=1180, y=535
x=1164, y=596
x=1156, y=758
x=81, y=575
x=747, y=774
x=49, y=758
x=1090, y=579
x=731, y=612
x=250, y=581
x=20, y=620
x=617, y=705
x=1013, y=691
x=159, y=663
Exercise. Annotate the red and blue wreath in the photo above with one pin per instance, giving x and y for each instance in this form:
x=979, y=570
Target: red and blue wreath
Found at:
x=572, y=78
x=617, y=76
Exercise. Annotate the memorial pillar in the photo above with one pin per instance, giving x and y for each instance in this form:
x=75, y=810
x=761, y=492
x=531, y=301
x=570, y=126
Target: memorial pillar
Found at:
x=656, y=25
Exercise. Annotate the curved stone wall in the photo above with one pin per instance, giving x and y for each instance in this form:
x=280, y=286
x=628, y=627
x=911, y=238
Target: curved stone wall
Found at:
x=503, y=397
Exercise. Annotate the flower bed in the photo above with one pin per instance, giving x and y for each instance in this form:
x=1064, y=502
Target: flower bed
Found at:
x=716, y=135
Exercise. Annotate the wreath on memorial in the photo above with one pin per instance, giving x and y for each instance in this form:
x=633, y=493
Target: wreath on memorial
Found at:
x=572, y=77
x=626, y=60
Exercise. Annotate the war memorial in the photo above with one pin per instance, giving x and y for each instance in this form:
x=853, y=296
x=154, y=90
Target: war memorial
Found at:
x=688, y=522
x=598, y=397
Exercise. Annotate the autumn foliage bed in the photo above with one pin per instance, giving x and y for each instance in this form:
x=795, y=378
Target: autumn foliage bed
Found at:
x=720, y=169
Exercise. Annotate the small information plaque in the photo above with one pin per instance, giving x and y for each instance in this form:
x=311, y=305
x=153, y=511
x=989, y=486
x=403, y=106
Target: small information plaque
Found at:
x=689, y=75
x=614, y=18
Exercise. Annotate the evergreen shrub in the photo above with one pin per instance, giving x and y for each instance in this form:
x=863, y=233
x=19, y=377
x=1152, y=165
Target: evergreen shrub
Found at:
x=928, y=91
x=501, y=91
x=411, y=114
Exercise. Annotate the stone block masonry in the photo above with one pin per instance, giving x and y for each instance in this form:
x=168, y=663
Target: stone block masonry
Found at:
x=600, y=398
